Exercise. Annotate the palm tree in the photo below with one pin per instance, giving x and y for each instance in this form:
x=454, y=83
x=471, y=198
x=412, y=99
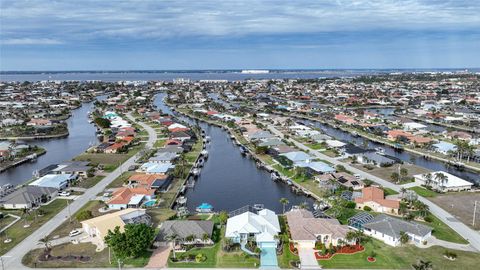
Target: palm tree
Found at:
x=423, y=265
x=284, y=202
x=173, y=238
x=205, y=237
x=421, y=208
x=403, y=238
x=46, y=242
x=403, y=191
x=442, y=179
x=190, y=238
x=303, y=205
x=428, y=179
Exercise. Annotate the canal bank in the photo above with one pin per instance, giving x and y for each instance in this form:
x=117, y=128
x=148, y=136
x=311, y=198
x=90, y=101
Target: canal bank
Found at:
x=230, y=180
x=81, y=136
x=406, y=155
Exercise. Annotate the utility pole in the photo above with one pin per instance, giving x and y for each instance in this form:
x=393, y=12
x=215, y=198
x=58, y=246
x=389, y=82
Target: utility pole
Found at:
x=474, y=213
x=69, y=213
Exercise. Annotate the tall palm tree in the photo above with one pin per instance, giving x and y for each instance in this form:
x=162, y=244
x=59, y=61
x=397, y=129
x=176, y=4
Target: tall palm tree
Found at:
x=46, y=241
x=403, y=191
x=173, y=238
x=284, y=202
x=442, y=179
x=428, y=179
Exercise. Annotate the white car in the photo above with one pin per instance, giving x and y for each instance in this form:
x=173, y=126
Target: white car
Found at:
x=64, y=194
x=74, y=233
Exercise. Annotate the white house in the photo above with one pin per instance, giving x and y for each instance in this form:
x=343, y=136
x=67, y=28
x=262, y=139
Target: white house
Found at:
x=264, y=226
x=451, y=182
x=58, y=181
x=389, y=230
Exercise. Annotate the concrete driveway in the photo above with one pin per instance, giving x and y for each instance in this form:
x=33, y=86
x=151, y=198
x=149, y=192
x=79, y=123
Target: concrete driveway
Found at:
x=307, y=259
x=160, y=256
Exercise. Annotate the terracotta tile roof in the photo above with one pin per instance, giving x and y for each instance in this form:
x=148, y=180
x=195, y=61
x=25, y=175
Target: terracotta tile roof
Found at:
x=375, y=194
x=124, y=194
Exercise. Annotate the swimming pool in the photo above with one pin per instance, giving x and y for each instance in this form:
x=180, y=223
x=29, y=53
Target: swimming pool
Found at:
x=268, y=257
x=149, y=203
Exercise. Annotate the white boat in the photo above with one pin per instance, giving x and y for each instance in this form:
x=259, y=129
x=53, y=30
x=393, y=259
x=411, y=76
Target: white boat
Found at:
x=196, y=171
x=204, y=153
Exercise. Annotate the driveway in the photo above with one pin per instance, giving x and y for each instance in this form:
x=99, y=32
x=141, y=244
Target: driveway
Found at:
x=160, y=256
x=307, y=259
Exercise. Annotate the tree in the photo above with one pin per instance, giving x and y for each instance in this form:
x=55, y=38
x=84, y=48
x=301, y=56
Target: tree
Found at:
x=428, y=179
x=421, y=208
x=423, y=265
x=84, y=215
x=403, y=174
x=223, y=217
x=102, y=122
x=173, y=238
x=404, y=238
x=205, y=237
x=284, y=202
x=45, y=241
x=442, y=179
x=395, y=177
x=135, y=239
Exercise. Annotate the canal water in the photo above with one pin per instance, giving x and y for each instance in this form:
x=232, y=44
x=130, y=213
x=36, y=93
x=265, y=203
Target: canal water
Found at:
x=229, y=180
x=405, y=156
x=81, y=137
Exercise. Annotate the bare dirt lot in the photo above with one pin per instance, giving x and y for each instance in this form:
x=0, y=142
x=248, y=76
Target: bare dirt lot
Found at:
x=460, y=205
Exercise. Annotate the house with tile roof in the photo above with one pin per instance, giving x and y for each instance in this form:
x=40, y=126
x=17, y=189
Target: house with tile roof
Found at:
x=374, y=198
x=306, y=230
x=184, y=229
x=127, y=197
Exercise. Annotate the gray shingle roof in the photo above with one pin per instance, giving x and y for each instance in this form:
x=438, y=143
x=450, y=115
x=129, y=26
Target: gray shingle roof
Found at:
x=393, y=226
x=27, y=194
x=184, y=228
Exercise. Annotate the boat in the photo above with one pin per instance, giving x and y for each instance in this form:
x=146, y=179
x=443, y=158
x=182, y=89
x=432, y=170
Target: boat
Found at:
x=355, y=134
x=274, y=176
x=204, y=153
x=204, y=208
x=207, y=138
x=196, y=171
x=181, y=200
x=380, y=150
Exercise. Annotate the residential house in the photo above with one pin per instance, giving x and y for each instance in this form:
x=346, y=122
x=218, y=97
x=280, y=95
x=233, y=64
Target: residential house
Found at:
x=306, y=230
x=450, y=182
x=58, y=181
x=264, y=226
x=97, y=228
x=315, y=167
x=27, y=197
x=126, y=197
x=156, y=168
x=389, y=229
x=297, y=156
x=158, y=182
x=201, y=230
x=374, y=198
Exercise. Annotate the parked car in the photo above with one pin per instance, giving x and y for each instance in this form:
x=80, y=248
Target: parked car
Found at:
x=74, y=233
x=64, y=194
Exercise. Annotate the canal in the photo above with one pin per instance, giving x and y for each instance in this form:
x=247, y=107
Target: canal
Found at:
x=81, y=137
x=405, y=156
x=229, y=180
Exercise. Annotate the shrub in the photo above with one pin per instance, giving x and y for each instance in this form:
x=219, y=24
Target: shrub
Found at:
x=450, y=254
x=367, y=208
x=350, y=205
x=428, y=219
x=84, y=215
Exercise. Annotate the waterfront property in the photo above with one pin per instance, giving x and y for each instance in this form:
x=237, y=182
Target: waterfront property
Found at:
x=389, y=230
x=58, y=181
x=126, y=197
x=97, y=228
x=306, y=230
x=186, y=232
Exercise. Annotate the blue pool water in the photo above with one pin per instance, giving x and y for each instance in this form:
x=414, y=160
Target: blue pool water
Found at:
x=149, y=203
x=268, y=257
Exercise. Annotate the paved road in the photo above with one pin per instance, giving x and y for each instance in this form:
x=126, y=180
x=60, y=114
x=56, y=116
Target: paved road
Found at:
x=13, y=259
x=472, y=236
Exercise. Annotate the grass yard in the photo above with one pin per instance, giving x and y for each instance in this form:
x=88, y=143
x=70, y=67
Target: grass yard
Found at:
x=424, y=192
x=316, y=146
x=101, y=158
x=210, y=254
x=159, y=143
x=400, y=258
x=443, y=232
x=89, y=182
x=66, y=227
x=389, y=191
x=97, y=259
x=159, y=215
x=120, y=180
x=17, y=232
x=238, y=259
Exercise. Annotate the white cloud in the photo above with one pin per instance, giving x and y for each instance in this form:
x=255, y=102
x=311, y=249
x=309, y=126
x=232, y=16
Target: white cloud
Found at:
x=90, y=20
x=30, y=41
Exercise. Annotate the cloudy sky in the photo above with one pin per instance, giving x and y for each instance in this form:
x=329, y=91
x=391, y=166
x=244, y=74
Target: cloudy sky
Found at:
x=219, y=34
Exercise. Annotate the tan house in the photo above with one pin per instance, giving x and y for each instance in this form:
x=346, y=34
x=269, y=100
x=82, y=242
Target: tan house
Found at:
x=306, y=230
x=97, y=228
x=374, y=198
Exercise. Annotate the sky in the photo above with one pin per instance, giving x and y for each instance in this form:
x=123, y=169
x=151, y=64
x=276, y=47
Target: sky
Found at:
x=227, y=34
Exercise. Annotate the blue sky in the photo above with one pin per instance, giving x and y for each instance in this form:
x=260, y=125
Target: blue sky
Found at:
x=227, y=34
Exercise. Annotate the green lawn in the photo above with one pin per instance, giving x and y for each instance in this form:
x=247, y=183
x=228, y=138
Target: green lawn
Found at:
x=120, y=180
x=17, y=232
x=89, y=182
x=237, y=259
x=400, y=258
x=443, y=232
x=210, y=253
x=389, y=191
x=66, y=227
x=424, y=192
x=316, y=146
